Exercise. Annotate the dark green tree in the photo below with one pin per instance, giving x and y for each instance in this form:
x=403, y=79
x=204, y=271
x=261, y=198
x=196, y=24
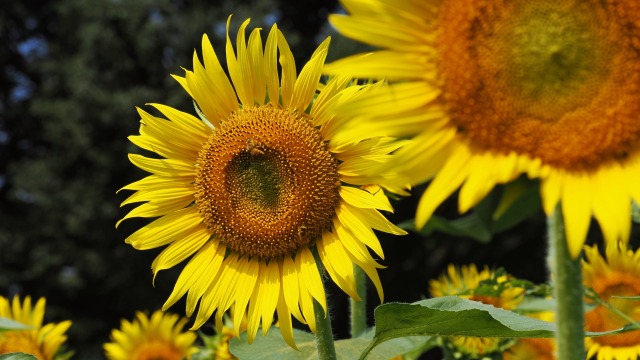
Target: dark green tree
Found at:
x=72, y=74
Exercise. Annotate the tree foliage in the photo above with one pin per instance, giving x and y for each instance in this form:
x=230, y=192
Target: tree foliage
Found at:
x=72, y=74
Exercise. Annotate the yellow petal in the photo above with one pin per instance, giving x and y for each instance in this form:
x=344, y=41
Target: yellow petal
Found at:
x=338, y=264
x=360, y=230
x=271, y=66
x=206, y=273
x=448, y=179
x=166, y=229
x=284, y=319
x=191, y=273
x=163, y=167
x=364, y=199
x=218, y=292
x=379, y=34
x=158, y=208
x=256, y=56
x=238, y=68
x=576, y=209
x=380, y=64
x=181, y=249
x=310, y=276
x=162, y=193
x=224, y=92
x=288, y=65
x=290, y=287
x=307, y=82
x=245, y=287
x=611, y=203
x=264, y=298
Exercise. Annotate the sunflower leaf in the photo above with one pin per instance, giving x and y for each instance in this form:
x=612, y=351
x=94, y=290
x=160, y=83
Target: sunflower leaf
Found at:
x=272, y=346
x=17, y=356
x=635, y=212
x=8, y=324
x=468, y=226
x=352, y=348
x=454, y=316
x=519, y=202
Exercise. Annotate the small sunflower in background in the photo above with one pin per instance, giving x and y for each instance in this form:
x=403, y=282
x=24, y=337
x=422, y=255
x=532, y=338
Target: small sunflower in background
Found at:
x=616, y=275
x=533, y=348
x=260, y=188
x=491, y=90
x=159, y=337
x=486, y=286
x=41, y=341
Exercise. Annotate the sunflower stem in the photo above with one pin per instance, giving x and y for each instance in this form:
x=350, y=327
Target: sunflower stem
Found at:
x=359, y=308
x=324, y=334
x=567, y=278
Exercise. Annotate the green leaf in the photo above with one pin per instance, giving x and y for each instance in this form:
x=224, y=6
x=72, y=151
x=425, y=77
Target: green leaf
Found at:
x=204, y=354
x=635, y=212
x=352, y=348
x=536, y=305
x=519, y=202
x=17, y=356
x=455, y=316
x=468, y=226
x=8, y=324
x=273, y=346
x=503, y=208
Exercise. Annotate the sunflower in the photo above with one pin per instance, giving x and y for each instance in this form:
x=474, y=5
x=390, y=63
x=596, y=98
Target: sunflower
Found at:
x=618, y=275
x=221, y=344
x=486, y=286
x=40, y=341
x=533, y=348
x=159, y=337
x=492, y=90
x=259, y=190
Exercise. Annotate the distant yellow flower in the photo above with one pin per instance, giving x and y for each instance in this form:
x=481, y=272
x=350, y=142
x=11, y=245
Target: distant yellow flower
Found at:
x=222, y=349
x=157, y=338
x=533, y=349
x=618, y=275
x=492, y=90
x=41, y=341
x=465, y=281
x=252, y=191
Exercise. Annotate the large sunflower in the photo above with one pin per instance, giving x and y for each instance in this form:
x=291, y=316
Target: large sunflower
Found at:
x=495, y=89
x=259, y=189
x=43, y=342
x=618, y=275
x=159, y=337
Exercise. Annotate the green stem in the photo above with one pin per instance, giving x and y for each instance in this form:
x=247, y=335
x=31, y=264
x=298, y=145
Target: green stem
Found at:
x=324, y=334
x=595, y=297
x=567, y=277
x=359, y=308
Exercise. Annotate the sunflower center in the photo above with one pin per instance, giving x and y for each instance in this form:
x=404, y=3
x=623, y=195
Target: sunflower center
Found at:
x=554, y=80
x=602, y=319
x=259, y=178
x=266, y=183
x=157, y=350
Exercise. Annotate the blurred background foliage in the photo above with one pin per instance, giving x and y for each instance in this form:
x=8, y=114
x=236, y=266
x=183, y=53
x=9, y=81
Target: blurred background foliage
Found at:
x=72, y=73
